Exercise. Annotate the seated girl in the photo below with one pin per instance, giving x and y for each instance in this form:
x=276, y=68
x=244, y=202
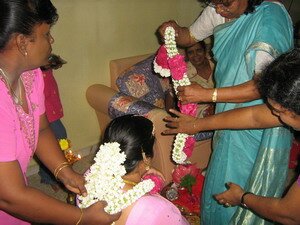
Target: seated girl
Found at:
x=134, y=134
x=200, y=69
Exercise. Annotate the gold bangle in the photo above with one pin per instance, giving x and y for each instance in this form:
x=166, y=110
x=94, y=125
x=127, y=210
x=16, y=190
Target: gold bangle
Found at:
x=214, y=95
x=56, y=174
x=80, y=218
x=60, y=165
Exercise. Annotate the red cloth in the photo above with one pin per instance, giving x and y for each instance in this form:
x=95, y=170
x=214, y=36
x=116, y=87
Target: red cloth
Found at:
x=294, y=154
x=54, y=110
x=191, y=202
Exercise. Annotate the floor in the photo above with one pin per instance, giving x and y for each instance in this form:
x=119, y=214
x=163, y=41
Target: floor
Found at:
x=81, y=166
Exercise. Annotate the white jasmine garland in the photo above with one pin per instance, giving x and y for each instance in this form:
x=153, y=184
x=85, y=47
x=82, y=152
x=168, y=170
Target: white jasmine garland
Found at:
x=168, y=59
x=178, y=154
x=159, y=69
x=104, y=181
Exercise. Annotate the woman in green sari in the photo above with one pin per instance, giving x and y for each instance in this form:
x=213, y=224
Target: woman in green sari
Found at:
x=247, y=36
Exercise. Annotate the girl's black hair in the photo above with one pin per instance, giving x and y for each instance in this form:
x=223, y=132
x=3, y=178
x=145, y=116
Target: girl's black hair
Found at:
x=20, y=16
x=280, y=81
x=134, y=134
x=250, y=8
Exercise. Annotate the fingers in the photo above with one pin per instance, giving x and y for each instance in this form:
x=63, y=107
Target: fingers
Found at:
x=82, y=190
x=223, y=202
x=163, y=27
x=227, y=204
x=112, y=217
x=175, y=112
x=115, y=216
x=228, y=185
x=103, y=204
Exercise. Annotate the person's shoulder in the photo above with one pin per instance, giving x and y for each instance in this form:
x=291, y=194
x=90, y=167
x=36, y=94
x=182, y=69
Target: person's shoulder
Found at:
x=210, y=12
x=157, y=200
x=273, y=5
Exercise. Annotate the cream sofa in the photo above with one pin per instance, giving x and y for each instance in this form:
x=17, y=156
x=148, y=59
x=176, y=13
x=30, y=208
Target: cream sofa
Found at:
x=98, y=96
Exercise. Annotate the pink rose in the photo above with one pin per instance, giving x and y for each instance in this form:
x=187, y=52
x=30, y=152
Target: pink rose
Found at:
x=159, y=182
x=188, y=109
x=162, y=57
x=177, y=66
x=189, y=146
x=181, y=171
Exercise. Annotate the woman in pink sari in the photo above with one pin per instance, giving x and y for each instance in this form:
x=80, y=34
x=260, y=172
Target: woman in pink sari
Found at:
x=135, y=136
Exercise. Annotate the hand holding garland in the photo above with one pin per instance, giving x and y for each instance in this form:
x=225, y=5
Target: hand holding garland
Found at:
x=259, y=116
x=196, y=93
x=48, y=145
x=183, y=36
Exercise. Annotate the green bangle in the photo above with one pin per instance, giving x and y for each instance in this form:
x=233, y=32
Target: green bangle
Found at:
x=242, y=199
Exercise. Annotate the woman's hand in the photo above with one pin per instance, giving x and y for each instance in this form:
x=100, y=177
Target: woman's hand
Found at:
x=95, y=215
x=73, y=181
x=181, y=123
x=232, y=196
x=171, y=23
x=194, y=93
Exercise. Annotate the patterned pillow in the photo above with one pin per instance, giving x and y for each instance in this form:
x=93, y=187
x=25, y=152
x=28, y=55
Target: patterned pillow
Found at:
x=121, y=104
x=141, y=82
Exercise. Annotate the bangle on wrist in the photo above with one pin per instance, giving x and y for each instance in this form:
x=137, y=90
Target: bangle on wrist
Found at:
x=214, y=95
x=242, y=199
x=59, y=168
x=80, y=218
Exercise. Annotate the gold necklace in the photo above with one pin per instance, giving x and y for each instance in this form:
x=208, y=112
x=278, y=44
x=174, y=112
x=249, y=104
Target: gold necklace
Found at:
x=17, y=99
x=130, y=182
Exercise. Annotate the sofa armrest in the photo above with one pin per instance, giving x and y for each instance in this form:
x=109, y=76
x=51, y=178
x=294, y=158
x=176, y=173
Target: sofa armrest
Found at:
x=98, y=97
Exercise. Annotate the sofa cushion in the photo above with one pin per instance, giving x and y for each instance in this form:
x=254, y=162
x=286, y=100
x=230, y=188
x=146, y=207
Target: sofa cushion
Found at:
x=122, y=104
x=141, y=82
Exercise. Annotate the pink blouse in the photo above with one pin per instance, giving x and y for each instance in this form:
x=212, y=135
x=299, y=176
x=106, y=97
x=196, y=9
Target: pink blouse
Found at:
x=154, y=210
x=19, y=130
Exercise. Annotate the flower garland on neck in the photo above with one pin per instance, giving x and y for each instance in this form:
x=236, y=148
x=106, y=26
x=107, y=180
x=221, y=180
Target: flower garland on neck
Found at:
x=104, y=181
x=168, y=62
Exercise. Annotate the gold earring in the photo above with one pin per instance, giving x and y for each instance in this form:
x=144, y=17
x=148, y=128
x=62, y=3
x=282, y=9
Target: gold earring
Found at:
x=147, y=164
x=25, y=53
x=147, y=167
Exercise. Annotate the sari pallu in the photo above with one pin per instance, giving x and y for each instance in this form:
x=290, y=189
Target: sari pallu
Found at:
x=251, y=158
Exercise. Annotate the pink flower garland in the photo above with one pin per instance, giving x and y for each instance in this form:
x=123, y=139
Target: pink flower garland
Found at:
x=169, y=62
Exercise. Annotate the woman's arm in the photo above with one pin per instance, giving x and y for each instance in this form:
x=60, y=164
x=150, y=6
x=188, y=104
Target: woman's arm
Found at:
x=253, y=117
x=49, y=152
x=30, y=204
x=240, y=93
x=283, y=210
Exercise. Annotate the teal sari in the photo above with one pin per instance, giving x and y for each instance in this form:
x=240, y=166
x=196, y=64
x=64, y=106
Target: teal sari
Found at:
x=256, y=159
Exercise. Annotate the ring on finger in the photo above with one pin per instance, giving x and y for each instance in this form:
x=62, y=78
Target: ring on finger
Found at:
x=227, y=204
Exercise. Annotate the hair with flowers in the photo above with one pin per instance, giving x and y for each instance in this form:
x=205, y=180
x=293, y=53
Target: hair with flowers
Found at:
x=124, y=143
